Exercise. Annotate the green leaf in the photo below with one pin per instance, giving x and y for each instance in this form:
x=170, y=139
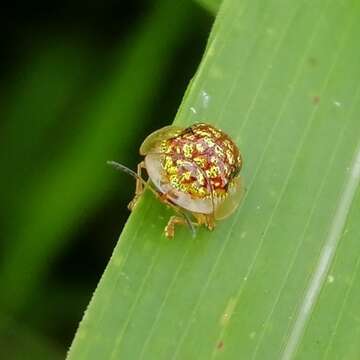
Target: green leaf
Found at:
x=282, y=78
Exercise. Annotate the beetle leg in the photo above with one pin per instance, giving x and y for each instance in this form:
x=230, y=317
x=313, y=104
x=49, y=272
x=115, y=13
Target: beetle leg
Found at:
x=139, y=188
x=206, y=220
x=201, y=219
x=170, y=227
x=210, y=222
x=139, y=185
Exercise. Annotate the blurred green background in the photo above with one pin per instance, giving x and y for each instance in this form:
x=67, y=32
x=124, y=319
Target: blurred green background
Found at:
x=81, y=83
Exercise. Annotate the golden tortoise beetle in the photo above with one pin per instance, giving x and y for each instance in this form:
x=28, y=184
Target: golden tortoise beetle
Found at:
x=195, y=170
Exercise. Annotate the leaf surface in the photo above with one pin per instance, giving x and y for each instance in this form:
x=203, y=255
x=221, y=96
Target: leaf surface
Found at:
x=282, y=78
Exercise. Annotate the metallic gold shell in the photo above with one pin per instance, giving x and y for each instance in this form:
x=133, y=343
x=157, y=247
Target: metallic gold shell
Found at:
x=197, y=167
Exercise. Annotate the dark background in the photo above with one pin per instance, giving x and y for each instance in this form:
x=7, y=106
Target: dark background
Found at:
x=81, y=83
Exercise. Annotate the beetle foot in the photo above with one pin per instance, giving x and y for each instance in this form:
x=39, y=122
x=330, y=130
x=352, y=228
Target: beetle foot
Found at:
x=170, y=227
x=133, y=203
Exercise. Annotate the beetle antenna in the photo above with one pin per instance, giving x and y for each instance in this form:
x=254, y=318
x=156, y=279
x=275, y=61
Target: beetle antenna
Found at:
x=189, y=223
x=125, y=169
x=132, y=173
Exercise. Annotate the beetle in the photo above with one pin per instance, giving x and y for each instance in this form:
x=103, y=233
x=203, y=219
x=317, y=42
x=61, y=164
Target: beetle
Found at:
x=195, y=170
